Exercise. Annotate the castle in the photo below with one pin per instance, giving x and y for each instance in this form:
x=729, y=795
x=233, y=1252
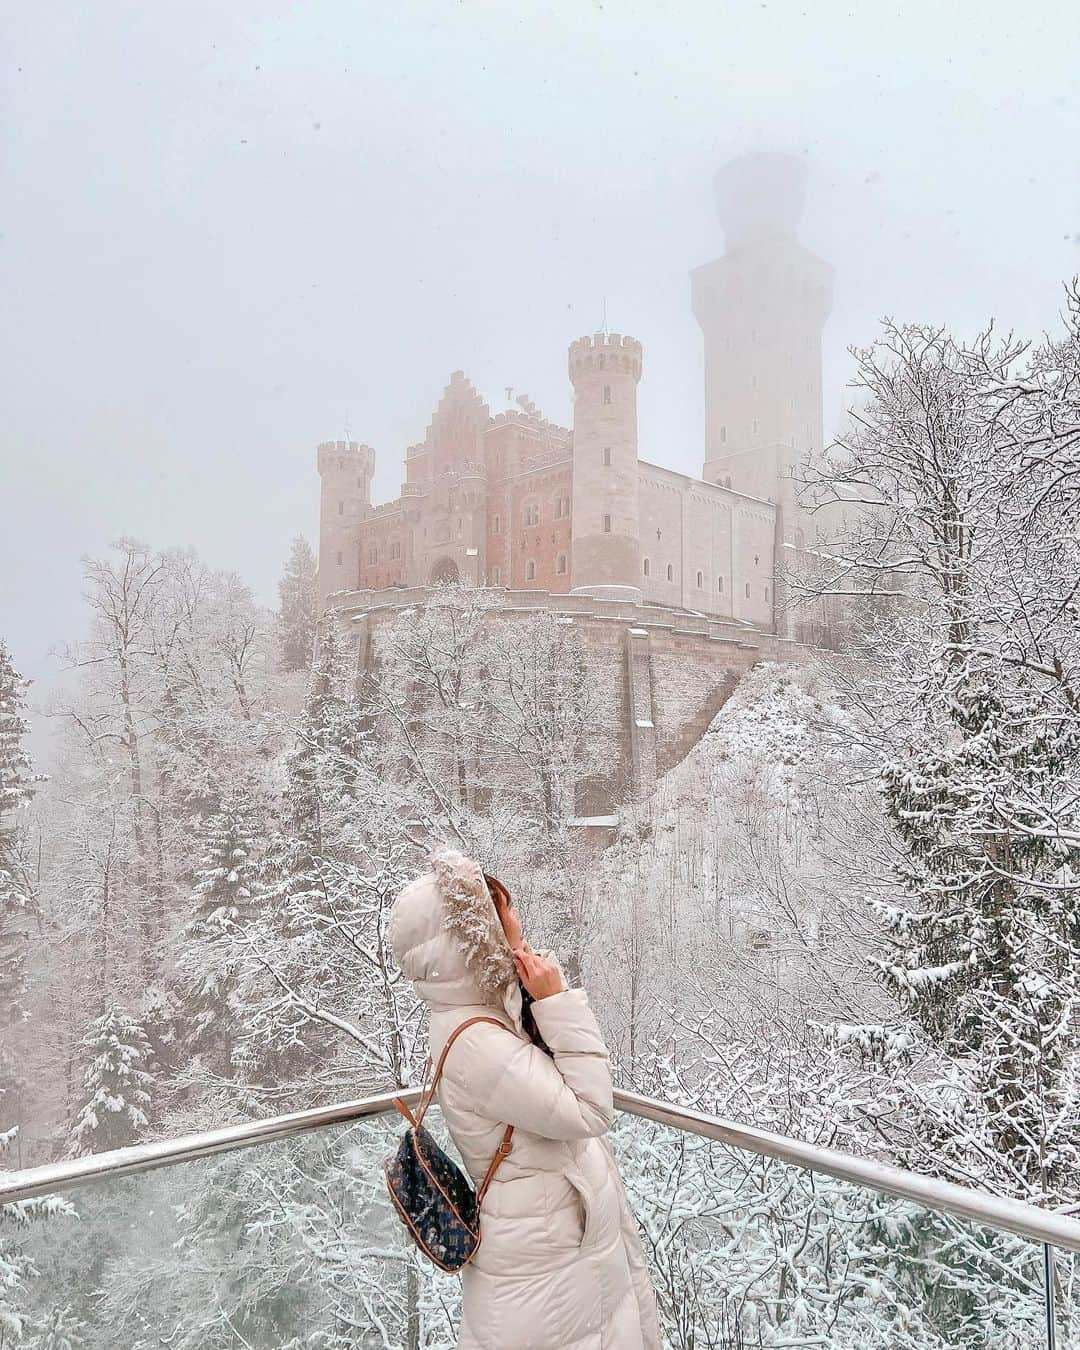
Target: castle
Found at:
x=500, y=495
x=671, y=581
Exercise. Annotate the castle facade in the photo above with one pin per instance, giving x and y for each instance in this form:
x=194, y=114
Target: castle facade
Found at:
x=499, y=494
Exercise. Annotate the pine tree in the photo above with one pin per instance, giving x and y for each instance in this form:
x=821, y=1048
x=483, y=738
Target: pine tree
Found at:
x=17, y=781
x=969, y=705
x=223, y=899
x=296, y=616
x=116, y=1084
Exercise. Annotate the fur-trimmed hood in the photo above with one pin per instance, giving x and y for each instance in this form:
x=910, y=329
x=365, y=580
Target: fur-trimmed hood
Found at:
x=446, y=937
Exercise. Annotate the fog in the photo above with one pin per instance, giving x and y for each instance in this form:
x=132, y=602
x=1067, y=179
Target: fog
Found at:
x=232, y=231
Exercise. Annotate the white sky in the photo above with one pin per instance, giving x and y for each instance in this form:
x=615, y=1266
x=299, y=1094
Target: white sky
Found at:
x=228, y=227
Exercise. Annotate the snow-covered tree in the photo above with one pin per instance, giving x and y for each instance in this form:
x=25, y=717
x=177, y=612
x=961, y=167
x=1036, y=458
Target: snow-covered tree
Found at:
x=116, y=1086
x=967, y=695
x=297, y=601
x=222, y=900
x=17, y=896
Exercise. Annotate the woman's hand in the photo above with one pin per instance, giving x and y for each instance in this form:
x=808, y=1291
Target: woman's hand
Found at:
x=539, y=976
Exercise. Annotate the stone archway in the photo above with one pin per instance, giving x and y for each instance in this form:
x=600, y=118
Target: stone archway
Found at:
x=444, y=569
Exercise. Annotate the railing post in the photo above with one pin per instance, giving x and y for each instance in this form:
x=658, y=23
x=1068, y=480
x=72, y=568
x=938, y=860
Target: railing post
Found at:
x=1048, y=1291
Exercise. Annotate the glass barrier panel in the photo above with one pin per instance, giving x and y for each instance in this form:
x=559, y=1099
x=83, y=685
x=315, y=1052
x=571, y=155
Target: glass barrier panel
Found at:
x=296, y=1244
x=747, y=1251
x=274, y=1247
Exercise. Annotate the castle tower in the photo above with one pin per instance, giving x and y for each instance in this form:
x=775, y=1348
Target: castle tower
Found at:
x=346, y=470
x=761, y=308
x=605, y=545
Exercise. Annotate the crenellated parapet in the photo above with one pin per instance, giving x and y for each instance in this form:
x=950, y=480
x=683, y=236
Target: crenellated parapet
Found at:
x=604, y=352
x=336, y=457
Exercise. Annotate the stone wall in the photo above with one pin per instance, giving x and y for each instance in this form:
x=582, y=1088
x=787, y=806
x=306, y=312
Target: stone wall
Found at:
x=660, y=674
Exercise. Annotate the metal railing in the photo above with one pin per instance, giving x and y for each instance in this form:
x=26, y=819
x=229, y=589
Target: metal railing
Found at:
x=1015, y=1216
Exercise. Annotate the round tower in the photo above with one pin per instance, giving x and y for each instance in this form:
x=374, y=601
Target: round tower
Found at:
x=761, y=307
x=346, y=470
x=604, y=528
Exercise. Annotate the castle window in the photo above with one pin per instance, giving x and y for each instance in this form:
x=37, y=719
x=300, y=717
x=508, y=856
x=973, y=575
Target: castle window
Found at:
x=700, y=581
x=341, y=508
x=720, y=585
x=748, y=590
x=560, y=564
x=607, y=456
x=607, y=524
x=670, y=572
x=496, y=576
x=607, y=393
x=645, y=566
x=496, y=527
x=532, y=513
x=530, y=570
x=723, y=435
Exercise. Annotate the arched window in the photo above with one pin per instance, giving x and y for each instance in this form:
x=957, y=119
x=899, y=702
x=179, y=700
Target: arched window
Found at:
x=700, y=581
x=530, y=570
x=720, y=585
x=607, y=393
x=560, y=564
x=607, y=524
x=670, y=572
x=645, y=566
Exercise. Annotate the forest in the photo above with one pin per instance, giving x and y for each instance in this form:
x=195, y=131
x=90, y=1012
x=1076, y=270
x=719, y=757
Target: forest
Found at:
x=851, y=914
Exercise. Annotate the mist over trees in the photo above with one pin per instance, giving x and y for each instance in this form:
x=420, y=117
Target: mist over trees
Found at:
x=852, y=914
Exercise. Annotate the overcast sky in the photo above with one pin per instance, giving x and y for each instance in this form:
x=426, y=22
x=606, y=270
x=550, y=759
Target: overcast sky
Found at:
x=230, y=229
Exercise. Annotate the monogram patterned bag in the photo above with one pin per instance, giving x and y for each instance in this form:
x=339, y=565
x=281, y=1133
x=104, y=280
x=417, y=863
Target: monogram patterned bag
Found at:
x=432, y=1195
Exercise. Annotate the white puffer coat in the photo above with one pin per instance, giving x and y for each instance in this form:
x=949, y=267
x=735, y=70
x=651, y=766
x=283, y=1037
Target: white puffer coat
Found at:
x=560, y=1264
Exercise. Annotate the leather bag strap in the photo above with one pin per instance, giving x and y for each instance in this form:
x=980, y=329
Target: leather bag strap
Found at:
x=504, y=1147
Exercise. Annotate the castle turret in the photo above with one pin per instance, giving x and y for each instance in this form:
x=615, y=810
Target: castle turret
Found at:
x=346, y=470
x=605, y=545
x=761, y=308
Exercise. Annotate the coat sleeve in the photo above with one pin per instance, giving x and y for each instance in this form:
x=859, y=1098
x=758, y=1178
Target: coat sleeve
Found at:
x=499, y=1076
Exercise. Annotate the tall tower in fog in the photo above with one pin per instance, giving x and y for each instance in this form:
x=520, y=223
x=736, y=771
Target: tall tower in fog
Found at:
x=605, y=530
x=761, y=308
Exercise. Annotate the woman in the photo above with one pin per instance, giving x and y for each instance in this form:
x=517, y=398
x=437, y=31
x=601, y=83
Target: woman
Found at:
x=560, y=1266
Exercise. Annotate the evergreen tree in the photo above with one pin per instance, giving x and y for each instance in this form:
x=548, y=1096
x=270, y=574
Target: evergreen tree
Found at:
x=969, y=706
x=116, y=1084
x=17, y=780
x=223, y=898
x=296, y=615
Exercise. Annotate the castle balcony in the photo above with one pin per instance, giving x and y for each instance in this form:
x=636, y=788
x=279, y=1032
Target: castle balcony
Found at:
x=776, y=1241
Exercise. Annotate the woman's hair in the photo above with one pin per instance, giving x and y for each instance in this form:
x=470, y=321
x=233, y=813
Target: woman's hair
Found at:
x=500, y=892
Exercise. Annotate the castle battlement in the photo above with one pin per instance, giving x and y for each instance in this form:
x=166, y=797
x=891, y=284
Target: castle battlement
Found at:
x=604, y=351
x=345, y=457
